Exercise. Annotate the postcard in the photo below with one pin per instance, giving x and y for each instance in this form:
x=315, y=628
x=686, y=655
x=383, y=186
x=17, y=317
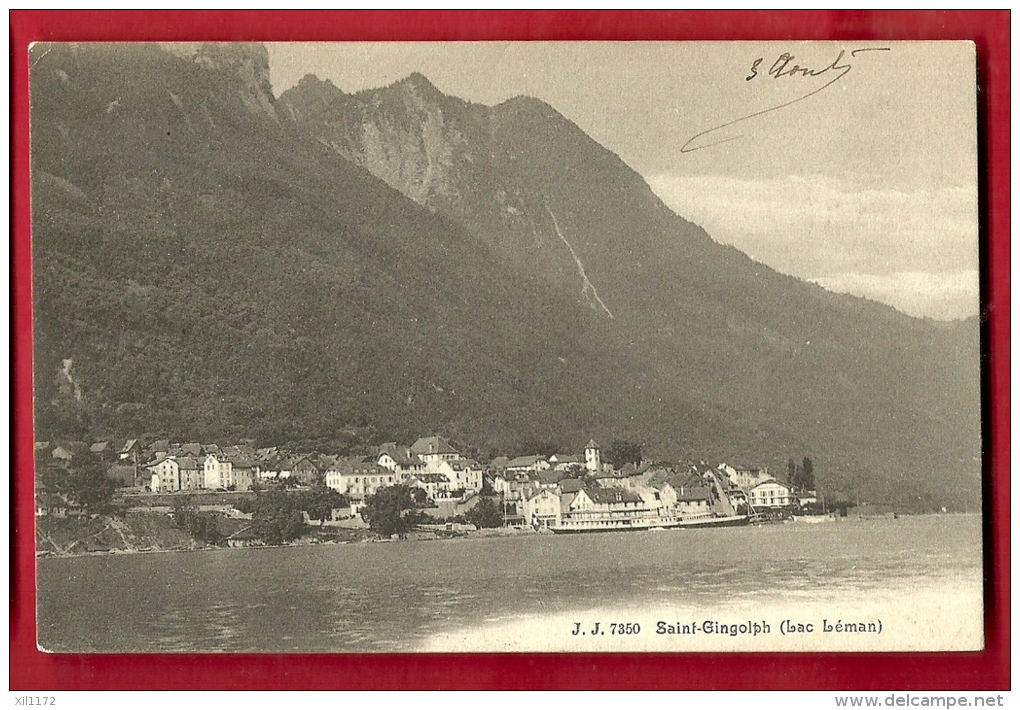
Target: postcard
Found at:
x=506, y=347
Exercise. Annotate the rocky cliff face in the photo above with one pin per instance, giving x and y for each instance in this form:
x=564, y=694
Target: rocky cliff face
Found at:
x=460, y=160
x=405, y=135
x=247, y=64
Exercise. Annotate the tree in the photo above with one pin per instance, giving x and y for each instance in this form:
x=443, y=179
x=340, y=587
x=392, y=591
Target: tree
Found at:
x=621, y=452
x=201, y=526
x=87, y=483
x=320, y=501
x=244, y=505
x=485, y=515
x=277, y=518
x=576, y=470
x=807, y=474
x=390, y=511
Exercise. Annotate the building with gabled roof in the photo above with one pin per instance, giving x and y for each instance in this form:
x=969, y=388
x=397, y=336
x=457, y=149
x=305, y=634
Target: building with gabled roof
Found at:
x=191, y=470
x=464, y=474
x=667, y=494
x=528, y=463
x=436, y=485
x=400, y=460
x=613, y=496
x=431, y=449
x=745, y=477
x=595, y=504
x=542, y=508
x=358, y=477
x=304, y=468
x=694, y=501
x=499, y=463
x=166, y=476
x=218, y=473
x=566, y=462
x=570, y=485
x=190, y=449
x=770, y=494
x=510, y=486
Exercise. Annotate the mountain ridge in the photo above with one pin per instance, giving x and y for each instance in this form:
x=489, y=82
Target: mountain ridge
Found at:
x=235, y=274
x=532, y=177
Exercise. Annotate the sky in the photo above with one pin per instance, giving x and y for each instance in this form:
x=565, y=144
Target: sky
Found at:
x=853, y=169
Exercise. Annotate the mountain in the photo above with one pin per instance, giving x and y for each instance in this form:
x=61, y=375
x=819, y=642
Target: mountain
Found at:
x=849, y=375
x=211, y=262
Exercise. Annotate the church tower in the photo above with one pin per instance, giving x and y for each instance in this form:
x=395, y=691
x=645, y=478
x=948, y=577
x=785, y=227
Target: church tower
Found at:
x=592, y=457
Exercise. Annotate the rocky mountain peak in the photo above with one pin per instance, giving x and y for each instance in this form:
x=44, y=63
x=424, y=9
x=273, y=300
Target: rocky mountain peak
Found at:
x=312, y=83
x=250, y=59
x=248, y=62
x=311, y=94
x=418, y=84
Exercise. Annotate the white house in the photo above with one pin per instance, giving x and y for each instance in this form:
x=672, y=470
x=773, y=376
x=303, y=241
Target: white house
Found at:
x=694, y=501
x=566, y=462
x=463, y=473
x=746, y=478
x=433, y=449
x=218, y=474
x=437, y=486
x=523, y=464
x=166, y=475
x=601, y=504
x=542, y=508
x=358, y=478
x=770, y=494
x=667, y=494
x=511, y=486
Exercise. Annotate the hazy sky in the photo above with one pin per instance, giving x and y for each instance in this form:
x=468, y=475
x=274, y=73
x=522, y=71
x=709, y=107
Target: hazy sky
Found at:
x=868, y=185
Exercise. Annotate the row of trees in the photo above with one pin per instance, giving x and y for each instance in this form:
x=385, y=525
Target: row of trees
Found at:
x=278, y=516
x=395, y=510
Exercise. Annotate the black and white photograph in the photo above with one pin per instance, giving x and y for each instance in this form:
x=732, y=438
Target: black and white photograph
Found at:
x=506, y=347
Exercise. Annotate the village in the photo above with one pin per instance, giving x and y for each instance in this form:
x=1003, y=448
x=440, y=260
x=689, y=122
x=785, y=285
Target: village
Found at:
x=559, y=492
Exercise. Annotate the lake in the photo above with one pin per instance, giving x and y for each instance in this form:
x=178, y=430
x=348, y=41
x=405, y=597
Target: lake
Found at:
x=920, y=578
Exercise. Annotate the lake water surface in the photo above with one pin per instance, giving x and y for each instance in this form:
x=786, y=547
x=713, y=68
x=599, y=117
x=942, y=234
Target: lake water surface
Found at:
x=921, y=577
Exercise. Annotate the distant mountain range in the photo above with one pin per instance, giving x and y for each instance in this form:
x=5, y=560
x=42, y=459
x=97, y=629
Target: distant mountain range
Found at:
x=215, y=262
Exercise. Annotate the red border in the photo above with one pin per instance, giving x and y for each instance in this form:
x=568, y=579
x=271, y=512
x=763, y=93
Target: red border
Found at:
x=985, y=670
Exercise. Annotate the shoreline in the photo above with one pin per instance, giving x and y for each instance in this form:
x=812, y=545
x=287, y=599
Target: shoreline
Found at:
x=420, y=537
x=366, y=538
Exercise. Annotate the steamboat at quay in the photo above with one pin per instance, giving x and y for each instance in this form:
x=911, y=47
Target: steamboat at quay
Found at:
x=609, y=524
x=584, y=509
